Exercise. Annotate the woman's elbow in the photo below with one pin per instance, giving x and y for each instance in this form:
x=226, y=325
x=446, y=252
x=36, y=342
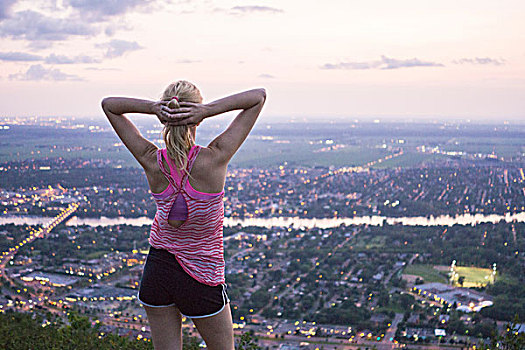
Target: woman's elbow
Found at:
x=262, y=92
x=105, y=102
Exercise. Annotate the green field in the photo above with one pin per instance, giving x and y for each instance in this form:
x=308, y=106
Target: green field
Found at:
x=97, y=255
x=503, y=147
x=475, y=276
x=299, y=152
x=408, y=159
x=427, y=272
x=370, y=242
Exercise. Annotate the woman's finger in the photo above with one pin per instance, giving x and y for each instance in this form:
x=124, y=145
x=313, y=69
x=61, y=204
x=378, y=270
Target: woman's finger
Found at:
x=182, y=110
x=187, y=104
x=179, y=116
x=168, y=110
x=176, y=110
x=165, y=115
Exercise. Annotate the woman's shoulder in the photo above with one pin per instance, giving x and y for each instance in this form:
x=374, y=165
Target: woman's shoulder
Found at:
x=210, y=158
x=209, y=153
x=202, y=157
x=207, y=174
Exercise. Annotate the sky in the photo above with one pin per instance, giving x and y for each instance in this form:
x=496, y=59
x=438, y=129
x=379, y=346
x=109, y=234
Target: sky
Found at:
x=323, y=60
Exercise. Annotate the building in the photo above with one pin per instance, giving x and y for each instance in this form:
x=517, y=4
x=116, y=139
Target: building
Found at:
x=464, y=299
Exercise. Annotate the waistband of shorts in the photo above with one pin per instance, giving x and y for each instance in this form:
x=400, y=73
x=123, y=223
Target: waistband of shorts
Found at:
x=159, y=250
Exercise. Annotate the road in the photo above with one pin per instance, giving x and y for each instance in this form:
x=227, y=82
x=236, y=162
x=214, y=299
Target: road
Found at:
x=391, y=331
x=34, y=234
x=7, y=256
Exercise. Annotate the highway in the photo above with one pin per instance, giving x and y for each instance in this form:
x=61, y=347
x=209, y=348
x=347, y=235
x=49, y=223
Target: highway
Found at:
x=7, y=256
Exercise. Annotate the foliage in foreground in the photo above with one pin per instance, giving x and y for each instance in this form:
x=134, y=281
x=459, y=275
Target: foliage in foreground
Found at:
x=20, y=331
x=26, y=331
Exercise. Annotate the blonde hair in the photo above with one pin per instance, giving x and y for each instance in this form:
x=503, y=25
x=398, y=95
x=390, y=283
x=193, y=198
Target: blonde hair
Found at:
x=179, y=139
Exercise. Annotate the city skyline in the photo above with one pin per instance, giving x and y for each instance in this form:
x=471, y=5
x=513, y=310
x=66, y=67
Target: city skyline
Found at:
x=338, y=59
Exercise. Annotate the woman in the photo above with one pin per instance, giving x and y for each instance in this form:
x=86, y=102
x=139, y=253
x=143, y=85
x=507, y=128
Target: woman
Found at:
x=184, y=271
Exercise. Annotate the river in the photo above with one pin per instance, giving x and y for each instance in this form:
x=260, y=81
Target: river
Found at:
x=443, y=220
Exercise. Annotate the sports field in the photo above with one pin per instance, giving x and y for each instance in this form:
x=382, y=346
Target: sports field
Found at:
x=474, y=276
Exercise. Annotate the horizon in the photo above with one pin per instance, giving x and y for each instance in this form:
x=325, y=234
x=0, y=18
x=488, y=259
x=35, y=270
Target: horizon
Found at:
x=279, y=119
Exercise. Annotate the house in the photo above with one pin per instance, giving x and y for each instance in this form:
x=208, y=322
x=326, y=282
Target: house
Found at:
x=444, y=319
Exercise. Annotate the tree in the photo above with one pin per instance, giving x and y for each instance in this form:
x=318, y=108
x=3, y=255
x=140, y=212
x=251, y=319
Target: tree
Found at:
x=248, y=342
x=511, y=339
x=21, y=331
x=461, y=280
x=189, y=342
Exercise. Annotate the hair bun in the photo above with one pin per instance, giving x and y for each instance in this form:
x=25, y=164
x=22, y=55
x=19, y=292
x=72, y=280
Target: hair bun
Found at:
x=174, y=102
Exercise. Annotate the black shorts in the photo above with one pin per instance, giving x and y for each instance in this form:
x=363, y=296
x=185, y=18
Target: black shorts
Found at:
x=165, y=283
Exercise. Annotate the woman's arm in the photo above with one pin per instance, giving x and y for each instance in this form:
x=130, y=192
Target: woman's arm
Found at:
x=226, y=144
x=115, y=108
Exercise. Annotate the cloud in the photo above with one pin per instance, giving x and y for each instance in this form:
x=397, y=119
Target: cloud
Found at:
x=187, y=61
x=51, y=59
x=66, y=19
x=98, y=10
x=383, y=63
x=480, y=60
x=102, y=69
x=38, y=72
x=40, y=44
x=110, y=30
x=5, y=7
x=351, y=65
x=266, y=76
x=61, y=59
x=117, y=48
x=31, y=25
x=392, y=63
x=252, y=9
x=19, y=57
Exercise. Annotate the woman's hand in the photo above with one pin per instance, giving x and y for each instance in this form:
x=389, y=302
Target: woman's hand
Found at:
x=189, y=113
x=156, y=108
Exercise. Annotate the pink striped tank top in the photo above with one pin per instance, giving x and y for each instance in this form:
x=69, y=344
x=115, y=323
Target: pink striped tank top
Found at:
x=198, y=243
